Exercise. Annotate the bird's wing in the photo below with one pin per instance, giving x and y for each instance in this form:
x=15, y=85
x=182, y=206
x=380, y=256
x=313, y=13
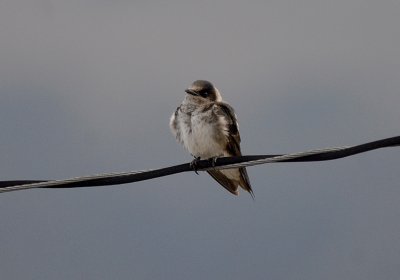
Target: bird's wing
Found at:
x=173, y=124
x=225, y=111
x=233, y=146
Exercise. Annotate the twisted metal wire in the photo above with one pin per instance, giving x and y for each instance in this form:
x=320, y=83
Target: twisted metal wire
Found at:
x=203, y=165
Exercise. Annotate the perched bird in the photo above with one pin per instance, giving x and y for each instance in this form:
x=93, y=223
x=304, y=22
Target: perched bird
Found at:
x=207, y=127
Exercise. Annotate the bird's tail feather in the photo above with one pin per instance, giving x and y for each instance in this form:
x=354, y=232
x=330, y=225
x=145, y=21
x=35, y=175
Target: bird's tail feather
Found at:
x=245, y=181
x=224, y=181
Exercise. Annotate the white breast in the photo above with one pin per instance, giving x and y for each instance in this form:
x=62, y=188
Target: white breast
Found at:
x=200, y=137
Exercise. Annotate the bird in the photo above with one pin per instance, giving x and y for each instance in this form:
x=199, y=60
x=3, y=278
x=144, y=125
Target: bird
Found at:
x=208, y=128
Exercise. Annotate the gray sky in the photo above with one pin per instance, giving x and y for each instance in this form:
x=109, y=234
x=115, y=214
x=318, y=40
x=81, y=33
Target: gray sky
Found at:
x=88, y=87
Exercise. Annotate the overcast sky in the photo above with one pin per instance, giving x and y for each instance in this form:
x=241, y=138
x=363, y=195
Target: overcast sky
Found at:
x=88, y=87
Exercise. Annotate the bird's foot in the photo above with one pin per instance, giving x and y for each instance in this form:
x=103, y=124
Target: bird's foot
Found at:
x=213, y=161
x=195, y=164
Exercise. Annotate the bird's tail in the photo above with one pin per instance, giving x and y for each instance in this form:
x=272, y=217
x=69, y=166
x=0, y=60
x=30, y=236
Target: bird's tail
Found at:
x=245, y=181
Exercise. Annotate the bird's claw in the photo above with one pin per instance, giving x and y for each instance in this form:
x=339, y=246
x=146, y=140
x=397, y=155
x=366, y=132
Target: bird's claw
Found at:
x=195, y=164
x=213, y=161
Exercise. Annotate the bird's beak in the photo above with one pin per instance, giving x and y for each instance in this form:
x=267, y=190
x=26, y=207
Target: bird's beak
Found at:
x=192, y=92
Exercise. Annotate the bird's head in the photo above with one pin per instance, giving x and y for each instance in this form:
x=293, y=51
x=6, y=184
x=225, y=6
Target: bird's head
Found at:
x=204, y=91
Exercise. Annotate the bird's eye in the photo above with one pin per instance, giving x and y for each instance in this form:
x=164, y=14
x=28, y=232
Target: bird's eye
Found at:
x=204, y=93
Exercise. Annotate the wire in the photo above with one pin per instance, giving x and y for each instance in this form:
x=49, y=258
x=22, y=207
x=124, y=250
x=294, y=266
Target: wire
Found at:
x=203, y=165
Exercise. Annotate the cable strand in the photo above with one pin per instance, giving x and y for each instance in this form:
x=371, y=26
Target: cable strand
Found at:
x=107, y=179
